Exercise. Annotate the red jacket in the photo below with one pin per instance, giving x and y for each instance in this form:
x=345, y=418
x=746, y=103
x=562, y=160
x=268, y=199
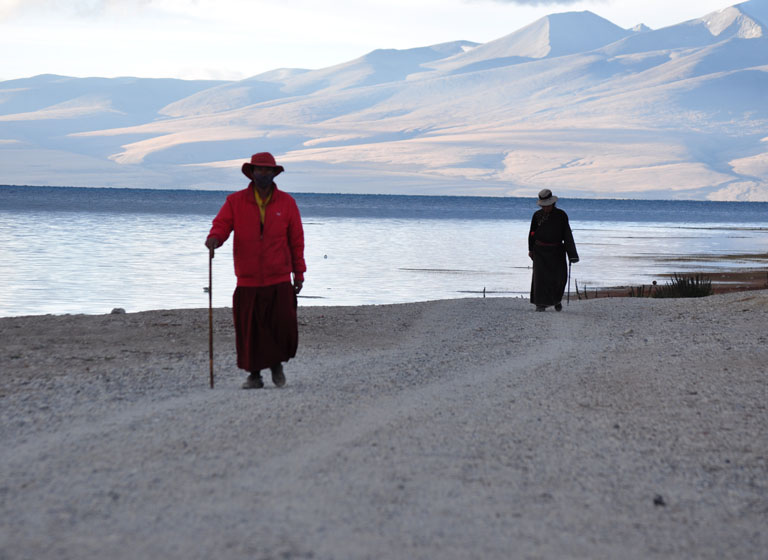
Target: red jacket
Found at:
x=263, y=256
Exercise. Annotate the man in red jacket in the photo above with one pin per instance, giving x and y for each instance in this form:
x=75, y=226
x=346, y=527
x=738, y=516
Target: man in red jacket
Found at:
x=268, y=248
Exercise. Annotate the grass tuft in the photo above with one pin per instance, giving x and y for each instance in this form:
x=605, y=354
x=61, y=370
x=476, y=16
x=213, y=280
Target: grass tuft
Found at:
x=697, y=285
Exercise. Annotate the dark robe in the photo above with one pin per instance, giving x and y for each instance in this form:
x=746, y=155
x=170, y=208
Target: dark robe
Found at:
x=549, y=240
x=266, y=325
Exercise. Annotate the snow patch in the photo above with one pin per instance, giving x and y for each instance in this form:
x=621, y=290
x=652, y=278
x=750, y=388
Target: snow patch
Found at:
x=733, y=19
x=76, y=108
x=743, y=191
x=755, y=166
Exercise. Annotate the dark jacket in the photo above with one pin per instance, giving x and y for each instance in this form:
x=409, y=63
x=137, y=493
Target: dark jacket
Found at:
x=552, y=230
x=549, y=240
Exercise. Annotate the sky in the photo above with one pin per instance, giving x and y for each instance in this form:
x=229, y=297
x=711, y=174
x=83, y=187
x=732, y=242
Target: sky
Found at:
x=236, y=39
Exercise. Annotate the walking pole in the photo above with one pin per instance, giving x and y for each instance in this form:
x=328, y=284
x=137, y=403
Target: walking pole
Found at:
x=210, y=310
x=568, y=299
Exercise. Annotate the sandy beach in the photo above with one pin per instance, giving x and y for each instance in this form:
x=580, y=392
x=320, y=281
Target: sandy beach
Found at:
x=473, y=428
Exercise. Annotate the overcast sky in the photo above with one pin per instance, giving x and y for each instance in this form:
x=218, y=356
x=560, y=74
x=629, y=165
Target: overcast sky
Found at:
x=234, y=39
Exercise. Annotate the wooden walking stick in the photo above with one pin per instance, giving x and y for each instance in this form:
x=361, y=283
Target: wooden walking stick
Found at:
x=568, y=299
x=210, y=310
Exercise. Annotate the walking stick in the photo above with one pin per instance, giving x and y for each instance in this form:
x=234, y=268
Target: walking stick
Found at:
x=210, y=310
x=568, y=299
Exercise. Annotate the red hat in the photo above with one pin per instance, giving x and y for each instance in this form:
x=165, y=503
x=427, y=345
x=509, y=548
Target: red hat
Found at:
x=262, y=159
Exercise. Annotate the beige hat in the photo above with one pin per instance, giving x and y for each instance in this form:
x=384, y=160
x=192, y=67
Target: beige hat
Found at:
x=546, y=198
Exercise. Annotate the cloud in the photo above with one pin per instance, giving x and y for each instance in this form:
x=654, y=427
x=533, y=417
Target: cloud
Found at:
x=10, y=9
x=538, y=2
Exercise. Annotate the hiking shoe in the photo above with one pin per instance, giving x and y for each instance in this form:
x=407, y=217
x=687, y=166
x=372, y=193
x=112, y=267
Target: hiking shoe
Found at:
x=278, y=377
x=558, y=306
x=541, y=308
x=254, y=381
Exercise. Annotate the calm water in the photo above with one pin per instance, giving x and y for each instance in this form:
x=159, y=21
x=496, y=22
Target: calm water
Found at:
x=71, y=250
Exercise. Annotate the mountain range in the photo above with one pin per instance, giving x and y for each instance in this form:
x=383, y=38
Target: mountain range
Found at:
x=570, y=102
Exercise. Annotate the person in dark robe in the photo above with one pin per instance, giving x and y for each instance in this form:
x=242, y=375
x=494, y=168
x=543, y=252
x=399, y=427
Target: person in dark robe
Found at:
x=268, y=253
x=549, y=242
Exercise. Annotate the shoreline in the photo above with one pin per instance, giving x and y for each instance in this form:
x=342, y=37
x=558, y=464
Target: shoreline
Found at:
x=723, y=282
x=621, y=427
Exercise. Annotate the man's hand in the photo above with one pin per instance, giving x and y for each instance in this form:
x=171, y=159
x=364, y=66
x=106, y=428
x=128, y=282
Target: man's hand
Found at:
x=297, y=285
x=212, y=243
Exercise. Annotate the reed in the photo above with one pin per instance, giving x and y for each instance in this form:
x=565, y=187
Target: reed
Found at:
x=583, y=293
x=640, y=291
x=682, y=286
x=580, y=294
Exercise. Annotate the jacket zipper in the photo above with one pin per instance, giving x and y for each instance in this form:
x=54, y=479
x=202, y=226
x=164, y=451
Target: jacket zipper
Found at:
x=261, y=224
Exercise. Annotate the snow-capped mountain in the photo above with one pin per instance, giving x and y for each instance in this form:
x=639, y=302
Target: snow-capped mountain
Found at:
x=571, y=102
x=549, y=37
x=377, y=67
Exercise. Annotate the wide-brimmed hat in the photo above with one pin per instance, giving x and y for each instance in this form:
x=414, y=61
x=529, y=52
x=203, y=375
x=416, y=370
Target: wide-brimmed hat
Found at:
x=262, y=159
x=546, y=198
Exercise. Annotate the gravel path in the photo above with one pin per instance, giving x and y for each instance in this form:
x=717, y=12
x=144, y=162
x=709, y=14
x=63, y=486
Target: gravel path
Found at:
x=475, y=428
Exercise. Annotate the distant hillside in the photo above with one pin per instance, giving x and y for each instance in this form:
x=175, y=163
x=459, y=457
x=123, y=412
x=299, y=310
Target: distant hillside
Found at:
x=571, y=102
